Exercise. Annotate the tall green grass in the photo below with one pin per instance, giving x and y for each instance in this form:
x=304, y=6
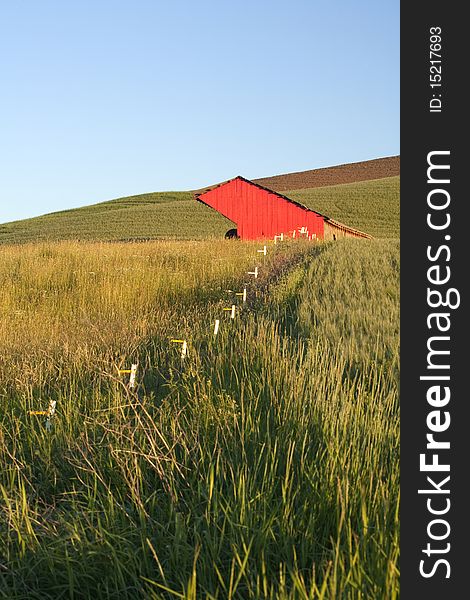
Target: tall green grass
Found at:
x=265, y=465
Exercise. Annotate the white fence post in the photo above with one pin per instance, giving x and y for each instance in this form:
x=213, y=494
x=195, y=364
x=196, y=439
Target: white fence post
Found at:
x=242, y=294
x=184, y=347
x=132, y=376
x=232, y=311
x=132, y=372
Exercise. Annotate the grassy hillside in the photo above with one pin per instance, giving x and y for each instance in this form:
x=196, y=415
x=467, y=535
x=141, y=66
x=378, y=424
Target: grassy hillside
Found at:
x=371, y=206
x=265, y=466
x=161, y=215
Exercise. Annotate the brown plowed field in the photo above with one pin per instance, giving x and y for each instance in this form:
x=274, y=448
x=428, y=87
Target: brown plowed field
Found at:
x=349, y=173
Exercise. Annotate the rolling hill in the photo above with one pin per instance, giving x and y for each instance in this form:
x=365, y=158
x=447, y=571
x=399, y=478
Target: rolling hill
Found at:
x=367, y=203
x=370, y=206
x=366, y=170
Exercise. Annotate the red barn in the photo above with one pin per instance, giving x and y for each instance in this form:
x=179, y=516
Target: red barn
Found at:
x=261, y=213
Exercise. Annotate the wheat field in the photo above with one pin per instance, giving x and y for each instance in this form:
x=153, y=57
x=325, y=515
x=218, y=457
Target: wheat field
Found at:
x=262, y=465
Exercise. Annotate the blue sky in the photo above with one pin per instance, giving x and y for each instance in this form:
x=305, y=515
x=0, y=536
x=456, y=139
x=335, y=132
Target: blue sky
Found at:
x=108, y=98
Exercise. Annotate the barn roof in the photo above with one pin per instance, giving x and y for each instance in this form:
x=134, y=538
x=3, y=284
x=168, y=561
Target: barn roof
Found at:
x=202, y=191
x=198, y=193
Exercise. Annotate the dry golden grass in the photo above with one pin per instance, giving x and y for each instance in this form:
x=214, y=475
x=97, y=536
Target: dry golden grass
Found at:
x=68, y=307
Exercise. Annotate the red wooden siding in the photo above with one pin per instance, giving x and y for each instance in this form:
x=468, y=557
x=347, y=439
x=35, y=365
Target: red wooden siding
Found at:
x=261, y=213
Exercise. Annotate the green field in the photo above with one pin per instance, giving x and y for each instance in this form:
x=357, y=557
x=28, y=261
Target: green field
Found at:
x=161, y=215
x=371, y=206
x=263, y=466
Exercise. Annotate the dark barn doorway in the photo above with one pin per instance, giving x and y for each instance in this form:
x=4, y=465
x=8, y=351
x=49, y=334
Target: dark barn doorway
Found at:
x=232, y=234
